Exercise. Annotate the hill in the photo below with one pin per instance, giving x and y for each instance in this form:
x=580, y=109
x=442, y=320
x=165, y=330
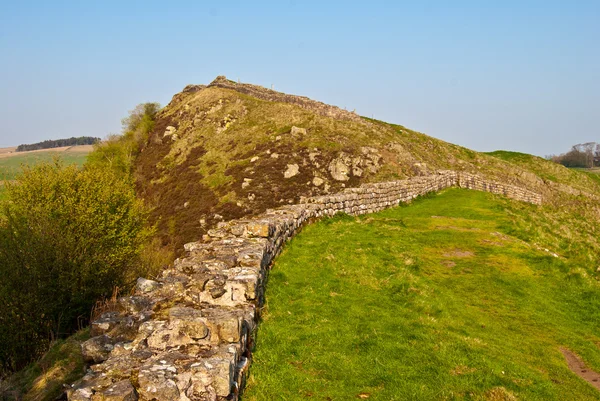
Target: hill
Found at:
x=227, y=149
x=439, y=300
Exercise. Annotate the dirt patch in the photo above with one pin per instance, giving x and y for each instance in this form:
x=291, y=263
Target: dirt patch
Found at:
x=499, y=394
x=458, y=253
x=490, y=242
x=578, y=367
x=448, y=263
x=461, y=370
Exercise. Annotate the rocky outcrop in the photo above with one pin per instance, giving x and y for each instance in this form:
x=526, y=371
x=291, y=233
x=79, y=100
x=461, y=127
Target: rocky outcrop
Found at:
x=189, y=335
x=270, y=95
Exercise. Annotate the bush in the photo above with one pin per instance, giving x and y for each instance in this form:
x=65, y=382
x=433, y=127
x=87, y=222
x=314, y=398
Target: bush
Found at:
x=67, y=238
x=115, y=153
x=118, y=152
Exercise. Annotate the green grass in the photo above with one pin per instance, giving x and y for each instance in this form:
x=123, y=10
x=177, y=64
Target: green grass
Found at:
x=43, y=380
x=11, y=166
x=593, y=173
x=435, y=301
x=510, y=156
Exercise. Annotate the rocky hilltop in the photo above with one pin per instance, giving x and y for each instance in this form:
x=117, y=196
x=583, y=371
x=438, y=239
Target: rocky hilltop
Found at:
x=227, y=150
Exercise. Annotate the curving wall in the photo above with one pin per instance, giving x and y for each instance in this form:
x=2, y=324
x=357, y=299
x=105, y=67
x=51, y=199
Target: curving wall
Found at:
x=189, y=335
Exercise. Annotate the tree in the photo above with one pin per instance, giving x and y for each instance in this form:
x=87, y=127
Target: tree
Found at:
x=141, y=117
x=58, y=143
x=581, y=155
x=114, y=153
x=118, y=152
x=67, y=238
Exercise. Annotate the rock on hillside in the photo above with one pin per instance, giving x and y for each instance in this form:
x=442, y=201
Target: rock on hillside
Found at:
x=226, y=150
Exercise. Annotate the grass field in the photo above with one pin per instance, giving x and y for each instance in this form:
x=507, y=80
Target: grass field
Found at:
x=11, y=163
x=594, y=173
x=440, y=300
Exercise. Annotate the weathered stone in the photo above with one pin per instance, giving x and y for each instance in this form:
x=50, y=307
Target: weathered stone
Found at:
x=120, y=391
x=135, y=303
x=107, y=322
x=339, y=168
x=357, y=171
x=144, y=286
x=96, y=349
x=259, y=229
x=156, y=385
x=170, y=130
x=317, y=181
x=189, y=321
x=292, y=170
x=296, y=131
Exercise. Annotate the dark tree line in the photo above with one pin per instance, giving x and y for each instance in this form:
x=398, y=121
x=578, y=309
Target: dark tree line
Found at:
x=59, y=143
x=585, y=155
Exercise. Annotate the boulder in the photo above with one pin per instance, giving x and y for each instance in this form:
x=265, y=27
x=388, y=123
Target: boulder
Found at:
x=298, y=131
x=292, y=170
x=144, y=286
x=340, y=167
x=120, y=391
x=96, y=349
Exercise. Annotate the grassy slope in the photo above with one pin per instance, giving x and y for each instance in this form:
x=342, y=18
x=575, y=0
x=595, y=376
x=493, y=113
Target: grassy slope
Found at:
x=44, y=379
x=439, y=300
x=224, y=137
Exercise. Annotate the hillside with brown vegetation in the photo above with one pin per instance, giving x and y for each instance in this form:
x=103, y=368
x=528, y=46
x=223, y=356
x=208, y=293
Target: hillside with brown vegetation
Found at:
x=226, y=150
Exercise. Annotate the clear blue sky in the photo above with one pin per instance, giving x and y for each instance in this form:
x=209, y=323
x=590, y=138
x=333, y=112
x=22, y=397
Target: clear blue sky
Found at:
x=518, y=75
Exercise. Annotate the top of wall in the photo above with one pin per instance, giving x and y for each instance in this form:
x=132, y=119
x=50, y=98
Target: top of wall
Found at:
x=270, y=95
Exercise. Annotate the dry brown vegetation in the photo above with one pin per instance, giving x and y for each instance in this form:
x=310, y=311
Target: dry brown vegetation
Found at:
x=216, y=153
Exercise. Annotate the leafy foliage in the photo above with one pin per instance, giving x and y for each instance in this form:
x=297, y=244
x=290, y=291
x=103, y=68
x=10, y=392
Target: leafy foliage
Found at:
x=67, y=238
x=118, y=152
x=583, y=155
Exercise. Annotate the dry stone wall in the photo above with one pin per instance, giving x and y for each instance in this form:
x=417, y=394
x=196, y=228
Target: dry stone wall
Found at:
x=189, y=334
x=270, y=95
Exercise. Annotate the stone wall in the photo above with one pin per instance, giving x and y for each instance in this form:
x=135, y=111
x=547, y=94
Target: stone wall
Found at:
x=260, y=92
x=189, y=334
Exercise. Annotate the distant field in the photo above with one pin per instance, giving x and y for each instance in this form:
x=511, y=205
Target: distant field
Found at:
x=11, y=161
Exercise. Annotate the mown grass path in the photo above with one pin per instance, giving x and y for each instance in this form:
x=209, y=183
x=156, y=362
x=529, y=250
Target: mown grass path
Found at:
x=434, y=301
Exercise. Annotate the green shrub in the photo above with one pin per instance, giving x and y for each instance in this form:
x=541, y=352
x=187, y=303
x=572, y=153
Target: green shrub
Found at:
x=114, y=153
x=118, y=152
x=68, y=236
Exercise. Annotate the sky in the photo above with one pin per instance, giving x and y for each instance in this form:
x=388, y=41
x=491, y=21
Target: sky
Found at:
x=488, y=75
